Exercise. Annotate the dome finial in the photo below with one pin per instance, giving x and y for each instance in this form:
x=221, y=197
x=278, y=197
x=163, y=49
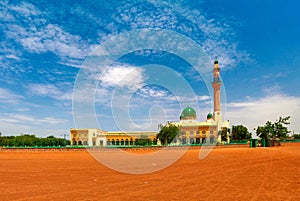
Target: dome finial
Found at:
x=216, y=60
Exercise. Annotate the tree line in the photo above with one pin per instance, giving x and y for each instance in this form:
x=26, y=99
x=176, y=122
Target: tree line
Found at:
x=28, y=140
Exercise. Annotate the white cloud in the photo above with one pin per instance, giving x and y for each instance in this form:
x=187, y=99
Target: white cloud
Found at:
x=216, y=36
x=51, y=91
x=41, y=126
x=26, y=9
x=7, y=96
x=203, y=98
x=49, y=38
x=40, y=36
x=253, y=113
x=122, y=76
x=153, y=92
x=36, y=34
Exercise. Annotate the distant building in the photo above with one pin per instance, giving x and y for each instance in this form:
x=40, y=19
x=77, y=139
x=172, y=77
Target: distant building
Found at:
x=191, y=130
x=100, y=138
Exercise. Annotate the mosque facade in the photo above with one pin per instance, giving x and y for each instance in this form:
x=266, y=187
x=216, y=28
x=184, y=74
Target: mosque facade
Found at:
x=192, y=131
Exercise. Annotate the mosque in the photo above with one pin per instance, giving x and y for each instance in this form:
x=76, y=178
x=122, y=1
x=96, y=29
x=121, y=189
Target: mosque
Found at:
x=208, y=132
x=191, y=130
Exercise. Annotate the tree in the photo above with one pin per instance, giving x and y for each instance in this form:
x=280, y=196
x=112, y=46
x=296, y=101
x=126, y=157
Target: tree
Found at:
x=280, y=130
x=167, y=133
x=142, y=142
x=240, y=132
x=296, y=136
x=274, y=131
x=224, y=134
x=31, y=141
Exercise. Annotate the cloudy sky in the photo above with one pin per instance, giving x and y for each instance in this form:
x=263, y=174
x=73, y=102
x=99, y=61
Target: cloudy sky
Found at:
x=129, y=65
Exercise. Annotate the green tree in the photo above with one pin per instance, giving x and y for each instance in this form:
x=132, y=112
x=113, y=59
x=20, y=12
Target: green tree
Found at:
x=167, y=133
x=296, y=136
x=274, y=131
x=239, y=133
x=31, y=140
x=142, y=142
x=280, y=129
x=224, y=134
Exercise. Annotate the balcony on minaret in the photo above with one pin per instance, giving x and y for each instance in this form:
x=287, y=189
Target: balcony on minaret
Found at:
x=217, y=80
x=216, y=72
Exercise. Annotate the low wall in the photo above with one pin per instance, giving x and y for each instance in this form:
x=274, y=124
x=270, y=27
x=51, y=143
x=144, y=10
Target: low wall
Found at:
x=40, y=149
x=153, y=148
x=33, y=149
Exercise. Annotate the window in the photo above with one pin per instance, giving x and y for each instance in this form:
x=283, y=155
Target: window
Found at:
x=85, y=143
x=94, y=143
x=74, y=135
x=108, y=142
x=197, y=132
x=191, y=132
x=211, y=132
x=203, y=132
x=94, y=134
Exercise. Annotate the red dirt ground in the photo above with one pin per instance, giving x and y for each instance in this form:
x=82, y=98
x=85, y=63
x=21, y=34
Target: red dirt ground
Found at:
x=226, y=174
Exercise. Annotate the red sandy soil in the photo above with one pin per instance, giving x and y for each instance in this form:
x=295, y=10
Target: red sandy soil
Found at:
x=225, y=174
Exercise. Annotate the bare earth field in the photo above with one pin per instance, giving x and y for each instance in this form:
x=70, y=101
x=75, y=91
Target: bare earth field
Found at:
x=226, y=174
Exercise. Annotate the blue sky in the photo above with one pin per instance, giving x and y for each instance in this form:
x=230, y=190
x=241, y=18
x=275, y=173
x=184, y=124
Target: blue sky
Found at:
x=47, y=46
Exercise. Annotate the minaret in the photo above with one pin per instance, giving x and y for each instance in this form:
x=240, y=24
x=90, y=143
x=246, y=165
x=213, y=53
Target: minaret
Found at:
x=216, y=84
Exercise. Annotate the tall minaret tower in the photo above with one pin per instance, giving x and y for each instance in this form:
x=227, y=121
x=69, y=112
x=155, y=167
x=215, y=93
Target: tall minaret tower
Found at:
x=216, y=84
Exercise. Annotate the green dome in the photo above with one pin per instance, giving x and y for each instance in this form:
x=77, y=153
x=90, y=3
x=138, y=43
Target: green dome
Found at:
x=188, y=113
x=209, y=116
